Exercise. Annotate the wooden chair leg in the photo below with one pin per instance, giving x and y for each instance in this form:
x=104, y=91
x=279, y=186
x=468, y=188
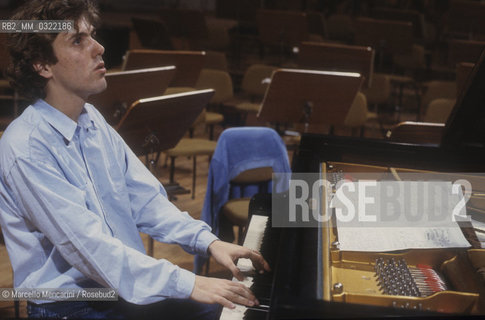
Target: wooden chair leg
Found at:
x=194, y=174
x=150, y=246
x=211, y=132
x=172, y=169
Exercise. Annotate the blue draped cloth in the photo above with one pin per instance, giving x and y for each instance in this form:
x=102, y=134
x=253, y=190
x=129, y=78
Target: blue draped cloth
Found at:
x=238, y=150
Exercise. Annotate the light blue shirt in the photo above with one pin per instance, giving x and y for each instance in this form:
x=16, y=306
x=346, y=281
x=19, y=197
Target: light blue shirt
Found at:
x=73, y=199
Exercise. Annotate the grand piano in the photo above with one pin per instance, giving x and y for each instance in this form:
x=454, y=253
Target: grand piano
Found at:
x=308, y=269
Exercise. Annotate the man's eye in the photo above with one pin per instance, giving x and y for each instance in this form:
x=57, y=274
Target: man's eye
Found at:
x=77, y=40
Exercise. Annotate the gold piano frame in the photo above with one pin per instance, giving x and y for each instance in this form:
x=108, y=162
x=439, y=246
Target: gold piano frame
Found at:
x=350, y=277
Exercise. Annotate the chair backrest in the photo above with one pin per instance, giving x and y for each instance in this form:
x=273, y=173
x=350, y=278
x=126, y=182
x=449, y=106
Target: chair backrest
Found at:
x=216, y=60
x=439, y=110
x=218, y=80
x=380, y=90
x=438, y=89
x=256, y=79
x=357, y=115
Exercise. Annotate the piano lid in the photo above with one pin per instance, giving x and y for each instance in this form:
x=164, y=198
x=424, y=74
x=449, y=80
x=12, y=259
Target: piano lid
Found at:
x=466, y=124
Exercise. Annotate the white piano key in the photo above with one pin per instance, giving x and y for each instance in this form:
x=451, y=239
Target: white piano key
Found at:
x=253, y=240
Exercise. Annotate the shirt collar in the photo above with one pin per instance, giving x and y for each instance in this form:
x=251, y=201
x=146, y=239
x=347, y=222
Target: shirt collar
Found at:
x=61, y=122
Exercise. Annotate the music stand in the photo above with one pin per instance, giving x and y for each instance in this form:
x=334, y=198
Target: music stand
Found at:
x=188, y=63
x=164, y=118
x=126, y=87
x=309, y=97
x=337, y=57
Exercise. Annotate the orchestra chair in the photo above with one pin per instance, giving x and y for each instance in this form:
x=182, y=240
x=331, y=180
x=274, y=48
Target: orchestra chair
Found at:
x=439, y=110
x=359, y=114
x=379, y=92
x=242, y=164
x=188, y=63
x=216, y=60
x=356, y=118
x=254, y=84
x=438, y=89
x=189, y=147
x=221, y=82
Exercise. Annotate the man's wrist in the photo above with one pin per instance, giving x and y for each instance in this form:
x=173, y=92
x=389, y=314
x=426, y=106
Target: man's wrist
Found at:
x=204, y=240
x=211, y=245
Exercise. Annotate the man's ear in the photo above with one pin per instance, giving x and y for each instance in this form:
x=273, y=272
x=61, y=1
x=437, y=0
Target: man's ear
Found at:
x=43, y=70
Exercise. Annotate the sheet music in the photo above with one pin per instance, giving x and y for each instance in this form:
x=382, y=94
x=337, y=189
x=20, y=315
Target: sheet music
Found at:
x=403, y=233
x=390, y=239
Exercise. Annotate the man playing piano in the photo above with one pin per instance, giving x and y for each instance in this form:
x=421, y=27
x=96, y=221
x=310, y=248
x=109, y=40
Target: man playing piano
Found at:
x=74, y=197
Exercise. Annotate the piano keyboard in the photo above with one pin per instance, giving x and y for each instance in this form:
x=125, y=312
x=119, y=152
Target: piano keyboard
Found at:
x=253, y=240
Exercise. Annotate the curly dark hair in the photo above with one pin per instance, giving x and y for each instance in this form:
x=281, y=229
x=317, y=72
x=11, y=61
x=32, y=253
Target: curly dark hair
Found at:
x=27, y=49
